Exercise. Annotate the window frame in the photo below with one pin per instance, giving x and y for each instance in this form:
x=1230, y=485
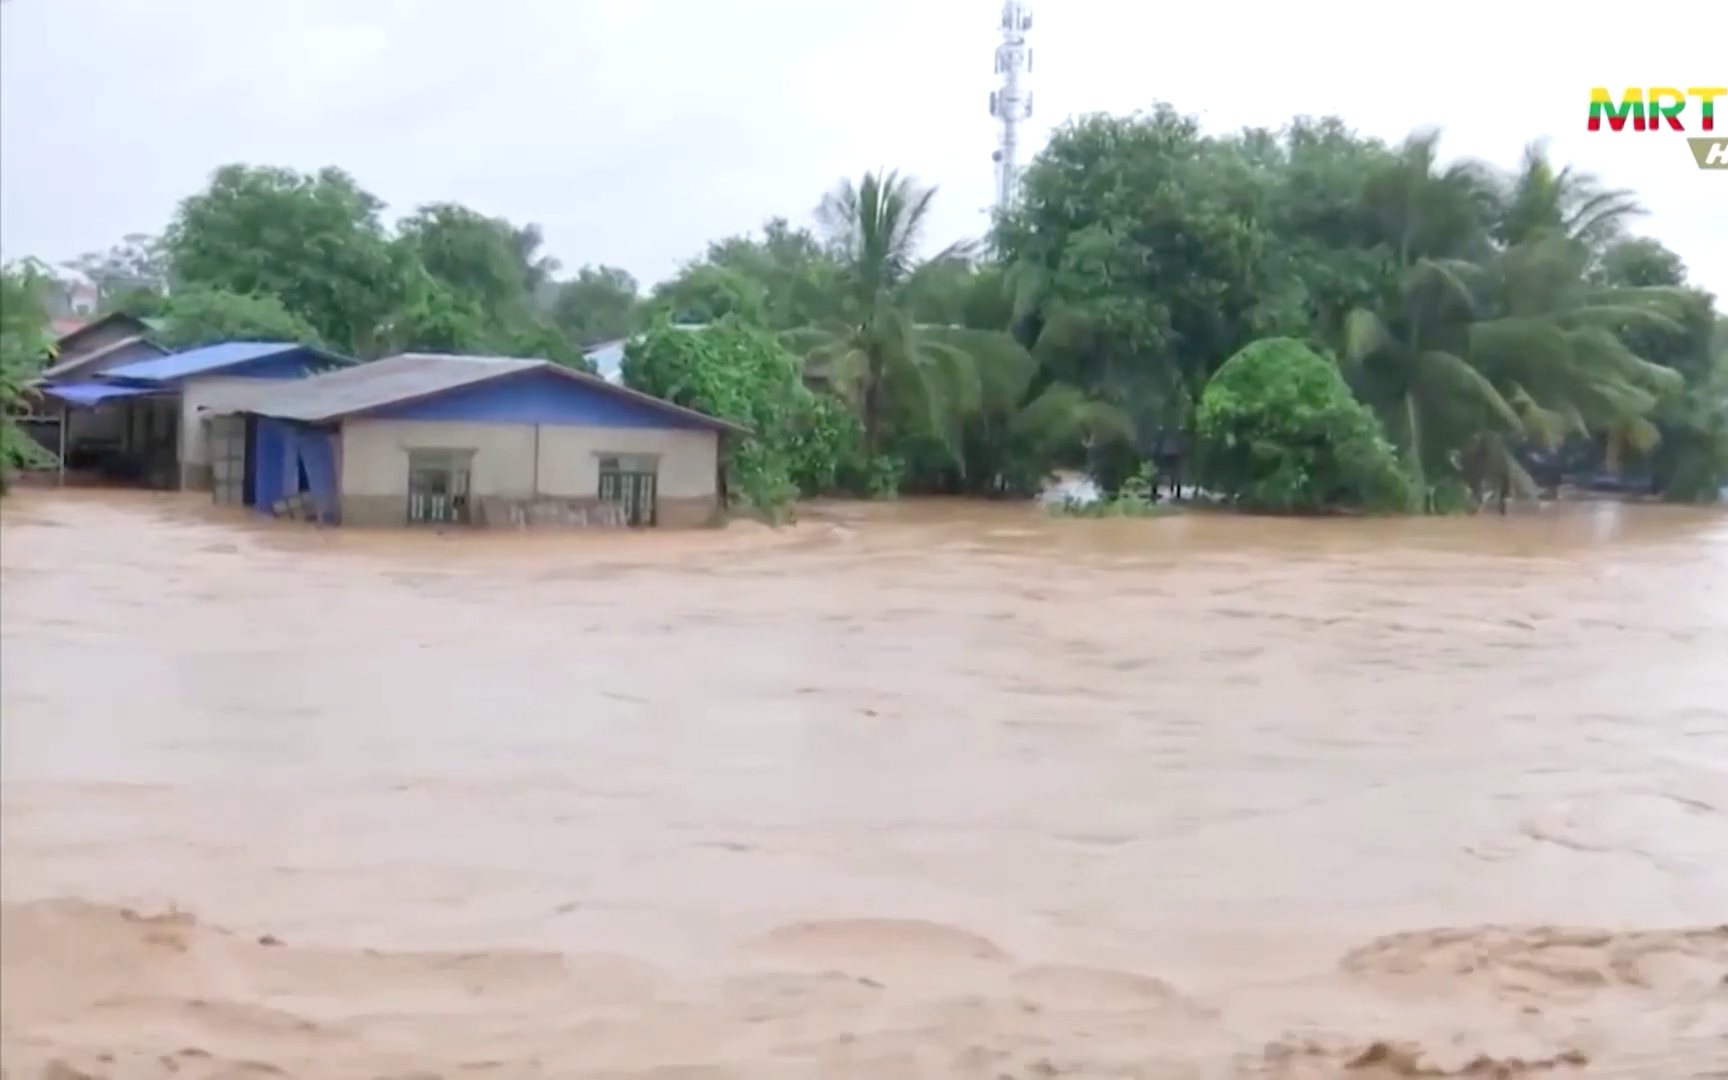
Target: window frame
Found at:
x=455, y=466
x=635, y=478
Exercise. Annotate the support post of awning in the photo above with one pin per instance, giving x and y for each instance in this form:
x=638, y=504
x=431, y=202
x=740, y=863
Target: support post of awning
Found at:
x=64, y=412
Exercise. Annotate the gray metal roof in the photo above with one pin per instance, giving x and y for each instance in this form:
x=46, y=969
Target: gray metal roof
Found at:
x=409, y=377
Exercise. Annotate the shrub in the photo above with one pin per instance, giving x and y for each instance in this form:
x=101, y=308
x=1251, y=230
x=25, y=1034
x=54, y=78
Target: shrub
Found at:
x=1279, y=430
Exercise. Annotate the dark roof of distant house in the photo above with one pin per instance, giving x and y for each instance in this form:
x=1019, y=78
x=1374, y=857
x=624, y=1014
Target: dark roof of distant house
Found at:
x=215, y=359
x=397, y=380
x=85, y=362
x=142, y=326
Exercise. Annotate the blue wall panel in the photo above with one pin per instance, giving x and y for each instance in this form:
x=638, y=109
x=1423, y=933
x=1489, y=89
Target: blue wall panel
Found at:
x=539, y=397
x=270, y=461
x=316, y=475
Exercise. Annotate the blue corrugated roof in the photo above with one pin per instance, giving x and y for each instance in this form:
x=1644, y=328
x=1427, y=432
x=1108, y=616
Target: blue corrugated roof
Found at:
x=87, y=394
x=206, y=361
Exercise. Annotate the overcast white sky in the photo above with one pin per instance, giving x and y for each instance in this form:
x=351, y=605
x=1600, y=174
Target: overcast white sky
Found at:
x=634, y=131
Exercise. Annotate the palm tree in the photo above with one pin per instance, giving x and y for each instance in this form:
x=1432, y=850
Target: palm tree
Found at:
x=1409, y=357
x=1541, y=200
x=876, y=354
x=1486, y=352
x=1412, y=363
x=1554, y=344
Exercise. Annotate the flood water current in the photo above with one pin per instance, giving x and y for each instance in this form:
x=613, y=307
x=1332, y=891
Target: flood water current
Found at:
x=924, y=790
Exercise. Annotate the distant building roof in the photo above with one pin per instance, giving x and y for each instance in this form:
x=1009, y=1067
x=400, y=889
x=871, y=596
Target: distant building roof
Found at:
x=396, y=380
x=70, y=337
x=212, y=360
x=608, y=356
x=92, y=363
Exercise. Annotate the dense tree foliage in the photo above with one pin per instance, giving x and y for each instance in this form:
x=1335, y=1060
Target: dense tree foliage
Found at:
x=23, y=344
x=317, y=243
x=1489, y=324
x=800, y=442
x=1278, y=429
x=194, y=317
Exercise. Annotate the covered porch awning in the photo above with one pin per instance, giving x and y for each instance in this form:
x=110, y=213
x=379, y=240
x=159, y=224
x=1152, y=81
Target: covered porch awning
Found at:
x=90, y=395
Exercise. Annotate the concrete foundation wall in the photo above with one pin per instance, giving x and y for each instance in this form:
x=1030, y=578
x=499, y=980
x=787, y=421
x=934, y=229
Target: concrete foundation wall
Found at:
x=525, y=475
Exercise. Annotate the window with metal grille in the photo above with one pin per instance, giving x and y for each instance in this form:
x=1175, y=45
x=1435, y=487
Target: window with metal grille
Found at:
x=438, y=486
x=629, y=483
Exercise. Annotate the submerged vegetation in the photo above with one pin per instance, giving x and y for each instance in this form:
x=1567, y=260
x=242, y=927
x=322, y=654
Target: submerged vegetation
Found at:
x=1279, y=430
x=1299, y=320
x=1135, y=498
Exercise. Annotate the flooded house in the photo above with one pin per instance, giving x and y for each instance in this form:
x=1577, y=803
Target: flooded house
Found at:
x=83, y=350
x=433, y=439
x=137, y=419
x=91, y=348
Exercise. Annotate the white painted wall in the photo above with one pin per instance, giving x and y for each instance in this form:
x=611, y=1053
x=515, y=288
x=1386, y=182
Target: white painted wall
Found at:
x=375, y=457
x=570, y=459
x=197, y=398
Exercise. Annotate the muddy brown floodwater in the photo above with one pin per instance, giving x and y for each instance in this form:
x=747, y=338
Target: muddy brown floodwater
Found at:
x=934, y=790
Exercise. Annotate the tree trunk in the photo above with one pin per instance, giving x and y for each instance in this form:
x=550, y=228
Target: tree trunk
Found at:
x=872, y=415
x=1413, y=431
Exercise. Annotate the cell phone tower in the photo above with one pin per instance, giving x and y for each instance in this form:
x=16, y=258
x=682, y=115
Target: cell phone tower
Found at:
x=1011, y=101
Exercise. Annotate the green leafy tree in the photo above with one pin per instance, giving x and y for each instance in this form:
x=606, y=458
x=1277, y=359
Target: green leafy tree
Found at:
x=24, y=344
x=477, y=257
x=741, y=373
x=1326, y=254
x=315, y=242
x=434, y=317
x=598, y=305
x=197, y=317
x=1144, y=243
x=537, y=269
x=703, y=292
x=470, y=284
x=783, y=279
x=1639, y=263
x=1279, y=430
